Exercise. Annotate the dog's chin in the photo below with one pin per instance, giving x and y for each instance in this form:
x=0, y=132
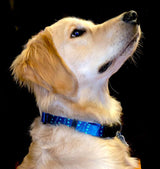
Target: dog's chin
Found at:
x=111, y=67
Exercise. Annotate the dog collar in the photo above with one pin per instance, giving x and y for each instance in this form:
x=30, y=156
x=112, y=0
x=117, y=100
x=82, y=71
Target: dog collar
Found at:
x=93, y=129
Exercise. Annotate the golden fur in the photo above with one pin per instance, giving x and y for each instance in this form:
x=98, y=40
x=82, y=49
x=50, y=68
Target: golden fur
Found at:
x=63, y=74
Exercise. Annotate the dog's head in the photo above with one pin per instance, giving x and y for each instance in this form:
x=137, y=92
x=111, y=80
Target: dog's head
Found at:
x=73, y=52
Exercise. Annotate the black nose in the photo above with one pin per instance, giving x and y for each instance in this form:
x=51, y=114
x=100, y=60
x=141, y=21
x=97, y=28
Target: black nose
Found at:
x=131, y=17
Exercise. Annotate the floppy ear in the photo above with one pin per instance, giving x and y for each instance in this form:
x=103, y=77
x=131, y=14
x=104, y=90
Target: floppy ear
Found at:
x=39, y=63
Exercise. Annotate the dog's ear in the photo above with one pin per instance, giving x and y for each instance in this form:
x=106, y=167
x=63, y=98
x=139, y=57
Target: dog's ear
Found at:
x=39, y=63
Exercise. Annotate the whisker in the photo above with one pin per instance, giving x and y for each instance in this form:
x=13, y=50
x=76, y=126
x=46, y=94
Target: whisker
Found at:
x=138, y=53
x=112, y=89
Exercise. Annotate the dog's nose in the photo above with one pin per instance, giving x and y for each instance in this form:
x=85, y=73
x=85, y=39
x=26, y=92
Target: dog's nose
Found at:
x=131, y=17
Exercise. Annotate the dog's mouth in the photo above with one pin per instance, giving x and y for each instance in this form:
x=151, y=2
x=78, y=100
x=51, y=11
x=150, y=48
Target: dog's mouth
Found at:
x=104, y=67
x=125, y=54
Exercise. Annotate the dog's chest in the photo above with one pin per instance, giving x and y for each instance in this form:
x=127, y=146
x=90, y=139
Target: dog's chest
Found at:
x=64, y=148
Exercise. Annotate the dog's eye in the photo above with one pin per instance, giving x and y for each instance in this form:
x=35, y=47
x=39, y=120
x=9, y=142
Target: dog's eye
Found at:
x=77, y=33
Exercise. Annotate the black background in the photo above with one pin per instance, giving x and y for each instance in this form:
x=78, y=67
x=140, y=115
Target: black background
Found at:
x=134, y=85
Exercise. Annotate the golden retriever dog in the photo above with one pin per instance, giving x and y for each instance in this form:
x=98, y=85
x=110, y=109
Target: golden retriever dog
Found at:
x=67, y=66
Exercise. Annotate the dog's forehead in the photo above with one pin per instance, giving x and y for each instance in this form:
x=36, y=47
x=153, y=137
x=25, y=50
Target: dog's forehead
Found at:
x=73, y=21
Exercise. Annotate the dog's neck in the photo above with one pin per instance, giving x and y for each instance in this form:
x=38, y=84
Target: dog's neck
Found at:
x=90, y=104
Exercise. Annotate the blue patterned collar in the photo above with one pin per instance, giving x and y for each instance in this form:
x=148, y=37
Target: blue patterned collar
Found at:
x=93, y=129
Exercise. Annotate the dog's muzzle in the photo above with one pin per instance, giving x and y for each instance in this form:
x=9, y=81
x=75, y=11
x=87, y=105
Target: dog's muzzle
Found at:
x=130, y=17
